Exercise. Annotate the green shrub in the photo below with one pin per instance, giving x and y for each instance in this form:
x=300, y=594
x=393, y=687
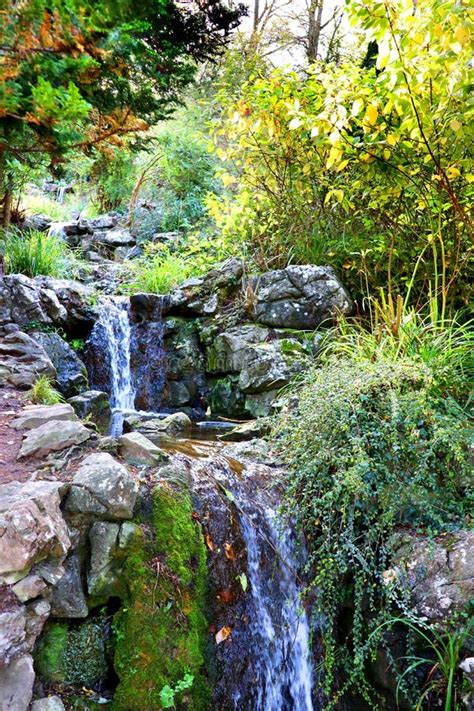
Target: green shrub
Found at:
x=372, y=445
x=36, y=253
x=159, y=271
x=43, y=392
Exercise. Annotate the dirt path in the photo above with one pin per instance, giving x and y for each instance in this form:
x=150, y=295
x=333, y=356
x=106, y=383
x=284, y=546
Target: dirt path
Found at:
x=10, y=440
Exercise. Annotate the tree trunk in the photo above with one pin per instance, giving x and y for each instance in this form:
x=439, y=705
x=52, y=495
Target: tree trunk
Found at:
x=315, y=14
x=6, y=208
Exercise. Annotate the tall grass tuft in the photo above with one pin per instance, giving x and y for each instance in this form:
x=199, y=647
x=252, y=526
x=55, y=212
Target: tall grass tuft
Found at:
x=159, y=272
x=35, y=253
x=43, y=392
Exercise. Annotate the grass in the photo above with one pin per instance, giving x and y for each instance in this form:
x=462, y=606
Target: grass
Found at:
x=59, y=212
x=44, y=393
x=158, y=273
x=396, y=332
x=35, y=253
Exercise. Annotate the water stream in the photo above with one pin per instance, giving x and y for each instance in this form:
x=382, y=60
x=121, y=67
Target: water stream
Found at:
x=266, y=665
x=111, y=339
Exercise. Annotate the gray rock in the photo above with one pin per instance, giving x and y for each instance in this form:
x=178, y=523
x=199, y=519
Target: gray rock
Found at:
x=13, y=641
x=68, y=599
x=246, y=431
x=103, y=222
x=45, y=300
x=28, y=588
x=226, y=353
x=94, y=404
x=71, y=371
x=36, y=415
x=102, y=487
x=102, y=576
x=52, y=437
x=439, y=574
x=269, y=366
x=51, y=703
x=37, y=222
x=16, y=684
x=135, y=448
x=253, y=451
x=114, y=238
x=31, y=525
x=261, y=404
x=177, y=422
x=178, y=394
x=298, y=297
x=23, y=360
x=37, y=612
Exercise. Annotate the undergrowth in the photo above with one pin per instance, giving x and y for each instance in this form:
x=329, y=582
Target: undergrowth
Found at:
x=377, y=442
x=36, y=253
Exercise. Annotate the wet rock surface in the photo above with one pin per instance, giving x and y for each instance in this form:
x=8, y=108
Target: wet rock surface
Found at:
x=53, y=436
x=71, y=373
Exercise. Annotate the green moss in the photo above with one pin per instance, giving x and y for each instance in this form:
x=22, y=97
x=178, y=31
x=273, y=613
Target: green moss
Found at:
x=161, y=631
x=73, y=654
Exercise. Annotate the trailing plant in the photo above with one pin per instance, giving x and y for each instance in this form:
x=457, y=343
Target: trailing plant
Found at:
x=36, y=253
x=373, y=444
x=43, y=392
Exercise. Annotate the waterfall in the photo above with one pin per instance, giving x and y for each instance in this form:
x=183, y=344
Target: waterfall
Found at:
x=268, y=664
x=110, y=343
x=61, y=193
x=279, y=627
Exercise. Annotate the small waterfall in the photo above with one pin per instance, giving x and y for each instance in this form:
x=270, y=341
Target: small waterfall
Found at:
x=61, y=193
x=267, y=664
x=109, y=343
x=279, y=629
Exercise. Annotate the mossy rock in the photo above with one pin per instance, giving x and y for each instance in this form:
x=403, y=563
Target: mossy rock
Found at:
x=74, y=654
x=161, y=631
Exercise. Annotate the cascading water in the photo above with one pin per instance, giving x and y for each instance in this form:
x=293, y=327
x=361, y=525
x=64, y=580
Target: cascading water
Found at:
x=279, y=628
x=110, y=339
x=267, y=665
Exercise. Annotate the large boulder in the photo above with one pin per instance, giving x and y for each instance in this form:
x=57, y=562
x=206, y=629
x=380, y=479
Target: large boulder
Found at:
x=12, y=633
x=53, y=436
x=438, y=573
x=37, y=415
x=137, y=449
x=103, y=488
x=16, y=684
x=71, y=371
x=269, y=366
x=23, y=360
x=31, y=526
x=68, y=599
x=44, y=300
x=93, y=404
x=300, y=297
x=226, y=353
x=101, y=576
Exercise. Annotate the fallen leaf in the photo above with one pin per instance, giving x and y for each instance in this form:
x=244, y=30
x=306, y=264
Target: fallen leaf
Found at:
x=209, y=542
x=225, y=596
x=223, y=634
x=229, y=552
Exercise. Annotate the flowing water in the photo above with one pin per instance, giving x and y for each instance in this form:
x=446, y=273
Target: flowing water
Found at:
x=266, y=665
x=111, y=339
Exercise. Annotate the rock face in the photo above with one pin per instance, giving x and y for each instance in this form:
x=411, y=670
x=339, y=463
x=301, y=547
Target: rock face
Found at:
x=16, y=684
x=31, y=526
x=23, y=360
x=269, y=366
x=439, y=574
x=71, y=371
x=68, y=599
x=94, y=404
x=137, y=449
x=102, y=487
x=44, y=300
x=298, y=297
x=52, y=437
x=37, y=415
